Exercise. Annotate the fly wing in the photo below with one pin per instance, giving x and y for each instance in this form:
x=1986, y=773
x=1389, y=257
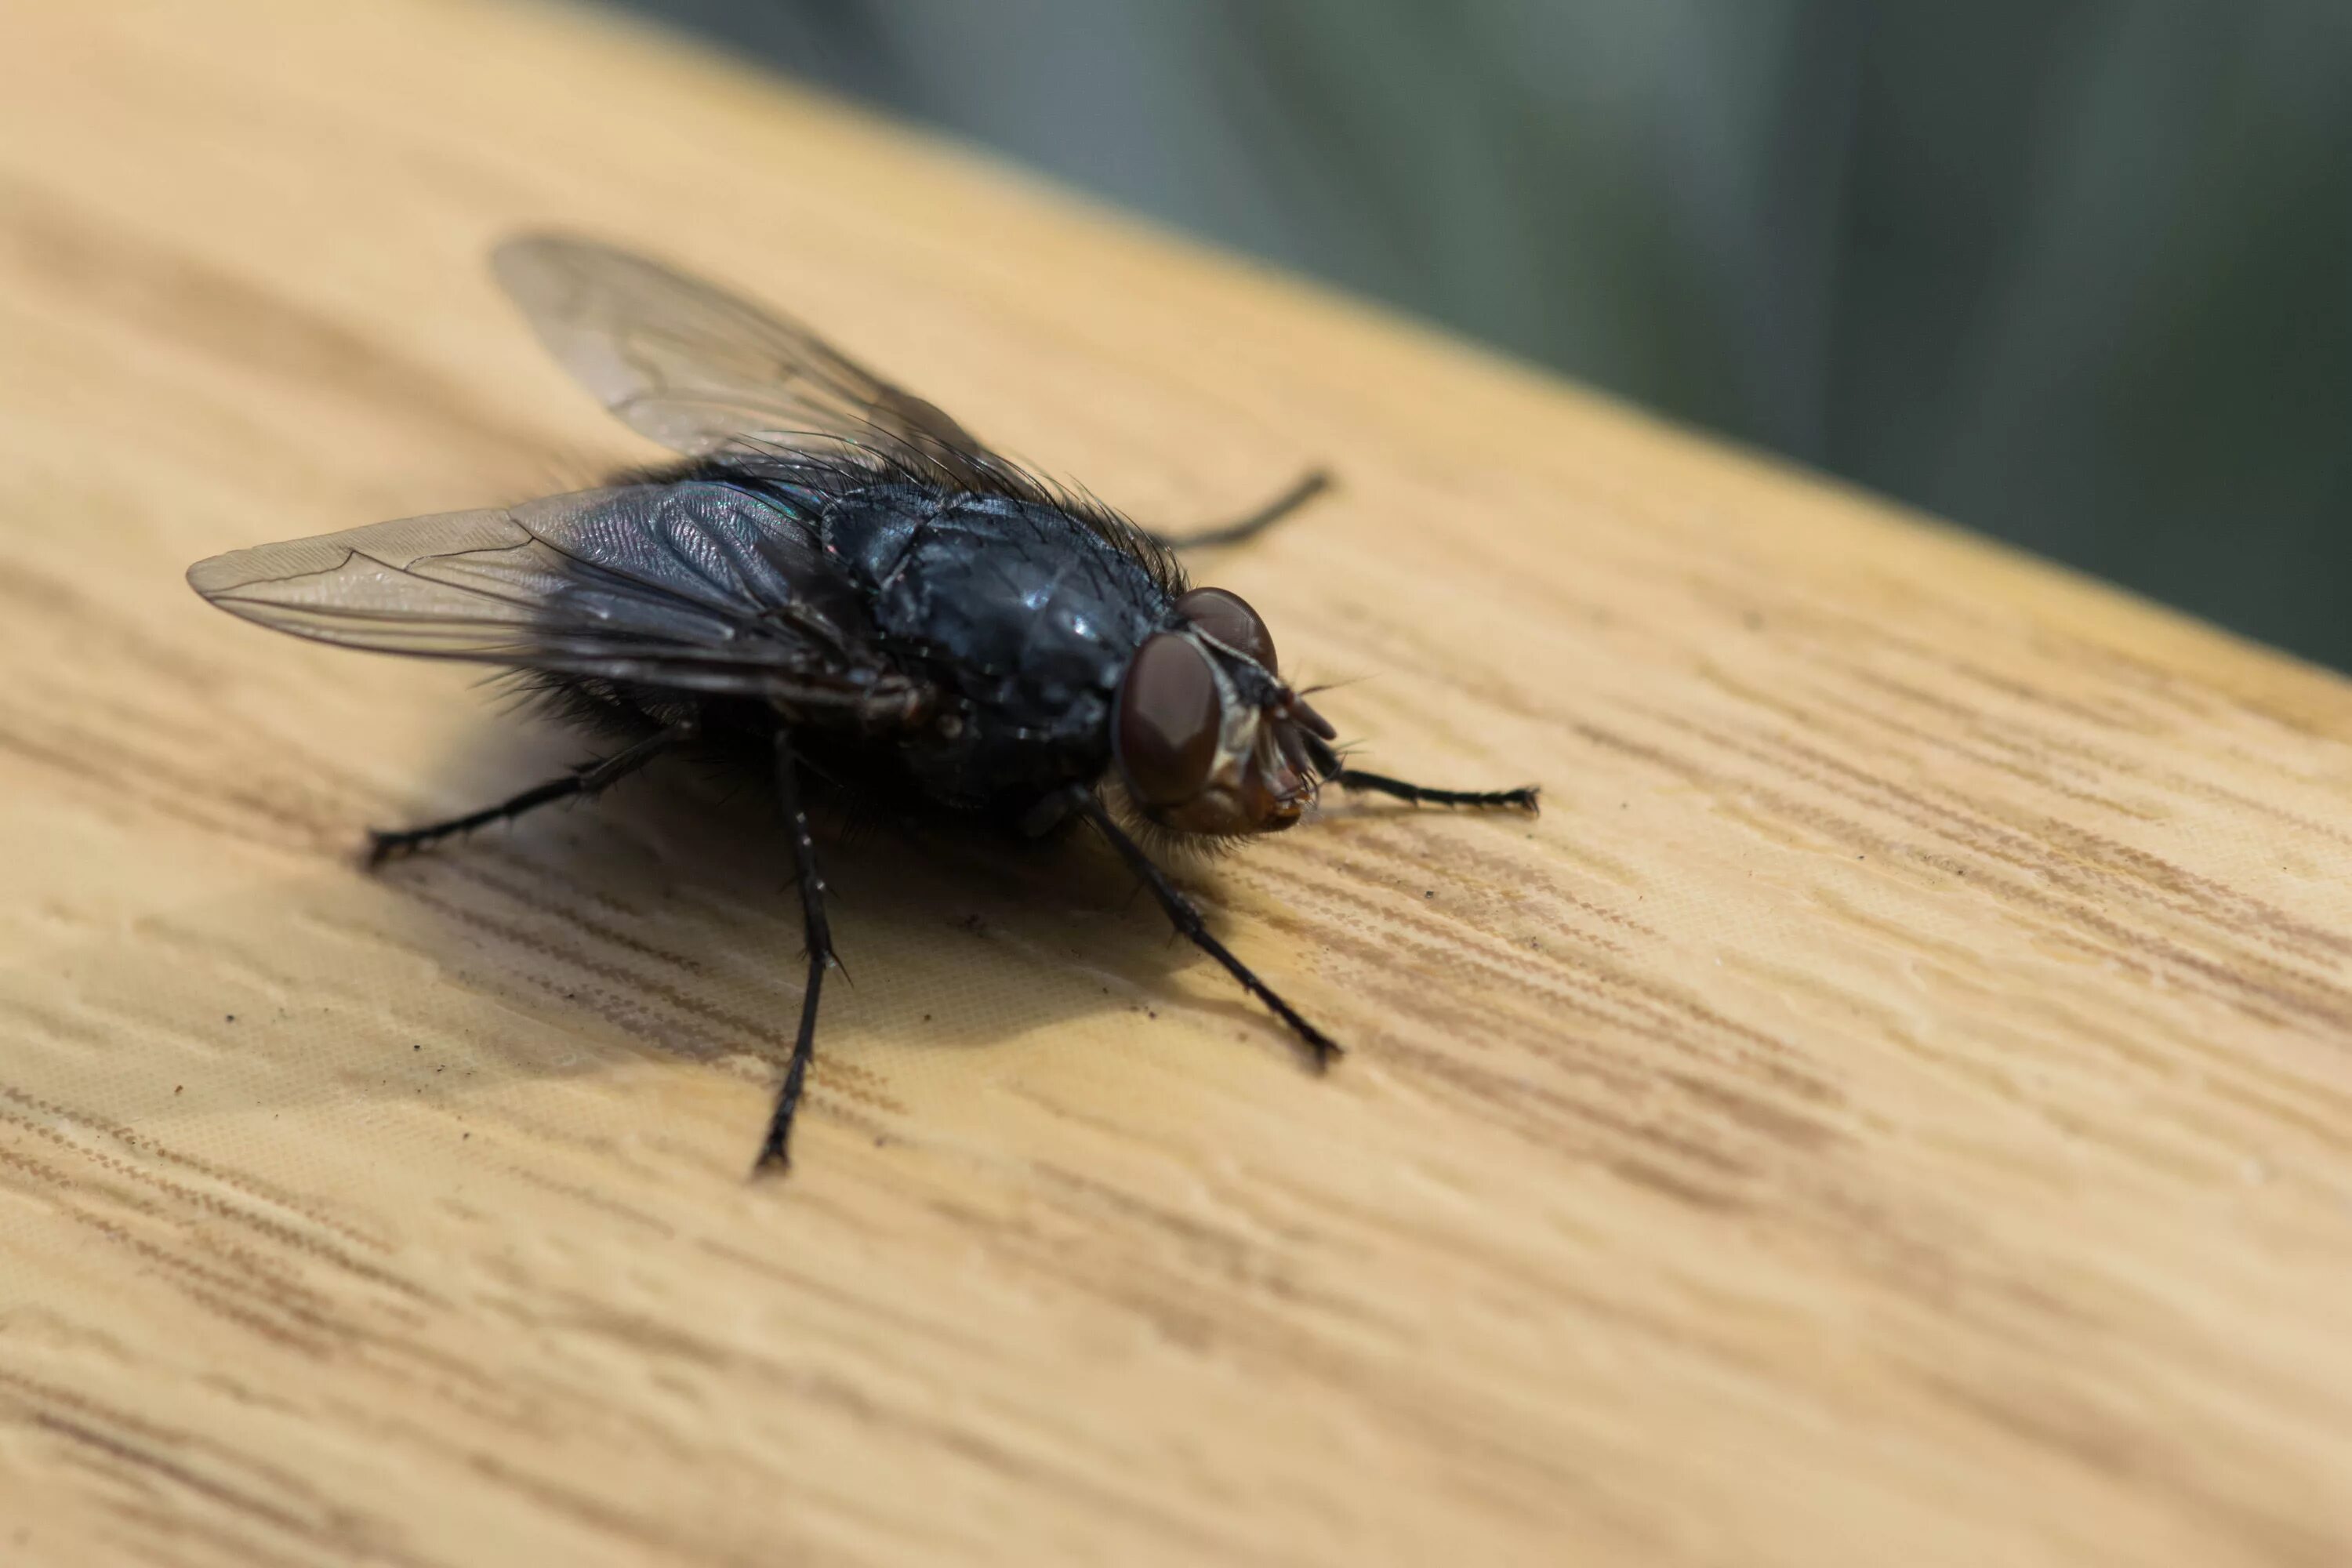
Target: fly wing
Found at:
x=695, y=587
x=699, y=370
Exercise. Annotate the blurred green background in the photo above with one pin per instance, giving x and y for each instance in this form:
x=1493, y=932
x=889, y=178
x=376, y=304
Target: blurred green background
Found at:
x=2078, y=274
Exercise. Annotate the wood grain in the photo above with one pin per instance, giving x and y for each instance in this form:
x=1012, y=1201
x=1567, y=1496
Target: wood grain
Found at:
x=1893, y=1107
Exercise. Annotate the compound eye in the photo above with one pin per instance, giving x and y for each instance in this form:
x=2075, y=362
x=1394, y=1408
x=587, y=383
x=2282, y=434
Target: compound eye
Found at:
x=1170, y=721
x=1228, y=619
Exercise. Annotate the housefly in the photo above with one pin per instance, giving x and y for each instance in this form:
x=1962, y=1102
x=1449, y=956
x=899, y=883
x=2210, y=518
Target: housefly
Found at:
x=839, y=582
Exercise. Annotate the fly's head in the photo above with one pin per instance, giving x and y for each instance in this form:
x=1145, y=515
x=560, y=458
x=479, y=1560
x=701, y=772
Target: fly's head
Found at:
x=1207, y=737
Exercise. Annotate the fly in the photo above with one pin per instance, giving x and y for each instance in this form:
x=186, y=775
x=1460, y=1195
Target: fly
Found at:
x=836, y=580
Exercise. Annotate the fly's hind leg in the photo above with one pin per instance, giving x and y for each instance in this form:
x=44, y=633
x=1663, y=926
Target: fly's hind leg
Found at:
x=587, y=779
x=1312, y=483
x=818, y=935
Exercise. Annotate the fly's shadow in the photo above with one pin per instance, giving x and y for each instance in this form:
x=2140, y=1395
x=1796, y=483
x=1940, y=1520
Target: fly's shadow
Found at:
x=666, y=908
x=655, y=923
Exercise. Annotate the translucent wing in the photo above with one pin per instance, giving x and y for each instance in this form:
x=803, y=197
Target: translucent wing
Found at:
x=698, y=370
x=694, y=586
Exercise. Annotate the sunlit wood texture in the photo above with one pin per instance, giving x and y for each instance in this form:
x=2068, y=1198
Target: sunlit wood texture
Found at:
x=1893, y=1107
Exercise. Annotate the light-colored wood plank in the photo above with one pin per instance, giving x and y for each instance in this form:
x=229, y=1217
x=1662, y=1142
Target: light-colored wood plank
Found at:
x=1893, y=1107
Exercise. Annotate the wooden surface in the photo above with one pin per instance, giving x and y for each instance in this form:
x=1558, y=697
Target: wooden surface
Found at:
x=1893, y=1107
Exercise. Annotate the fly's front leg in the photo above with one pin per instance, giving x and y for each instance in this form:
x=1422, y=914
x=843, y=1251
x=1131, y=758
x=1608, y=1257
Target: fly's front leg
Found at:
x=1187, y=920
x=1524, y=797
x=1312, y=483
x=817, y=937
x=587, y=779
x=1328, y=763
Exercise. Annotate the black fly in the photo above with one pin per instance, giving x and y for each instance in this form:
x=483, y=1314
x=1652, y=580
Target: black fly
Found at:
x=838, y=579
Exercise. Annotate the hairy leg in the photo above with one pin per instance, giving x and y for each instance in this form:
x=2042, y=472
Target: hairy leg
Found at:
x=1311, y=484
x=1327, y=763
x=1524, y=798
x=587, y=779
x=817, y=939
x=1188, y=922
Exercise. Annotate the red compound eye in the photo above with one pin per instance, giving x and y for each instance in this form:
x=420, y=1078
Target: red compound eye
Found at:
x=1170, y=718
x=1228, y=619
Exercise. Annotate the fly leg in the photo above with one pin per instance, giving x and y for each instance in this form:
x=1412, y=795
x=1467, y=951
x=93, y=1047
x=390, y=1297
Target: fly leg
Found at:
x=1422, y=794
x=1188, y=922
x=587, y=779
x=1312, y=483
x=817, y=938
x=1326, y=760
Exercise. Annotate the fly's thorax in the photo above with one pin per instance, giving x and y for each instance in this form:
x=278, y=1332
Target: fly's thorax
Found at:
x=1028, y=614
